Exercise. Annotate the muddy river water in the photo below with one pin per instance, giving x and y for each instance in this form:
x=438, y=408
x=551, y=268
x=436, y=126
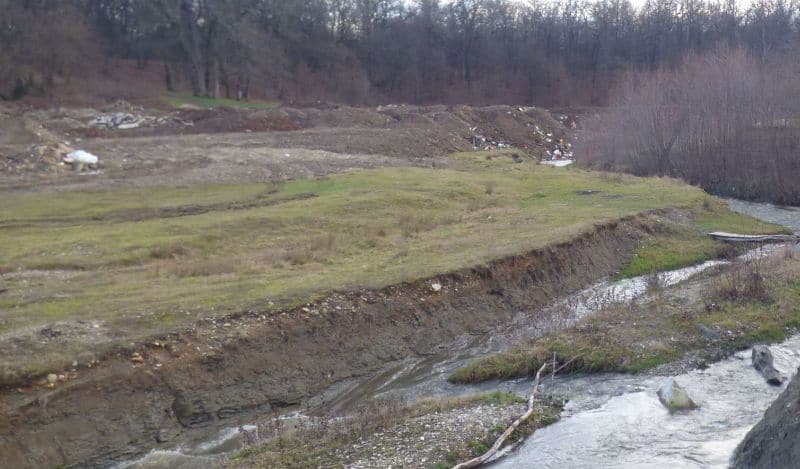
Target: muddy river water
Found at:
x=610, y=420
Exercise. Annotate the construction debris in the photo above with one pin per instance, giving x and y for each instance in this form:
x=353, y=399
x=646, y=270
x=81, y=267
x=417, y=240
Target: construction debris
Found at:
x=127, y=121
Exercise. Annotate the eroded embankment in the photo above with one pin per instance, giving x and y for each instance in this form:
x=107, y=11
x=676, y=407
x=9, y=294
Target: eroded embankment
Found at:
x=184, y=388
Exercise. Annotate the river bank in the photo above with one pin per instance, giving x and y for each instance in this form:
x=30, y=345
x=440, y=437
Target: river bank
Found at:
x=174, y=313
x=516, y=237
x=667, y=296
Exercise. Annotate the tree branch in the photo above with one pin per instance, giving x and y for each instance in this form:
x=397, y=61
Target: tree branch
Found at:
x=485, y=457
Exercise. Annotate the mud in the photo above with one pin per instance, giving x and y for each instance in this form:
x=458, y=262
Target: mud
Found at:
x=189, y=385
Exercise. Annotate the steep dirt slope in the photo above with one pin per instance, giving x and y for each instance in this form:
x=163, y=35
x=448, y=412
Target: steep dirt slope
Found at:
x=189, y=386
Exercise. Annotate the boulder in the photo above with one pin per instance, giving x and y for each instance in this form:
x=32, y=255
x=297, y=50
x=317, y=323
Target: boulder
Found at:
x=775, y=441
x=762, y=362
x=674, y=397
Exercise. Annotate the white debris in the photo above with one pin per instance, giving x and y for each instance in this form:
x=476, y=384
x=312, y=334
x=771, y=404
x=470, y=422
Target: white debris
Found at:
x=436, y=287
x=81, y=157
x=118, y=120
x=558, y=163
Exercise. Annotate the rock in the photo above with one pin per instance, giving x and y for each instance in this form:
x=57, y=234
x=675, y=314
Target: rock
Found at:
x=191, y=412
x=762, y=362
x=436, y=287
x=775, y=440
x=137, y=358
x=674, y=397
x=165, y=435
x=52, y=378
x=708, y=332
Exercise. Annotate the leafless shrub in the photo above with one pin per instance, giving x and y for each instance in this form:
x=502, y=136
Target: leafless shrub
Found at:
x=413, y=225
x=654, y=283
x=723, y=121
x=742, y=281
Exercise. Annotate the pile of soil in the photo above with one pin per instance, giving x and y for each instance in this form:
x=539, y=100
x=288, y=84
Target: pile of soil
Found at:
x=224, y=145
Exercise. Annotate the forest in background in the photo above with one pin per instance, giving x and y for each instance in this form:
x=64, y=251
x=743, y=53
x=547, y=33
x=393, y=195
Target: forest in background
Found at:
x=701, y=90
x=559, y=53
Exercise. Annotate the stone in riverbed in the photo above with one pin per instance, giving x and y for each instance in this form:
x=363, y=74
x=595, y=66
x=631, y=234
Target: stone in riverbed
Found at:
x=762, y=362
x=674, y=397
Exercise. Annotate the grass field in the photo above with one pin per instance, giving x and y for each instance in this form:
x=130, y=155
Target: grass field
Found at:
x=143, y=261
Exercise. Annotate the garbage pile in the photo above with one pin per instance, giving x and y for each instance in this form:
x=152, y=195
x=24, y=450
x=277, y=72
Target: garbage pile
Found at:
x=479, y=142
x=120, y=120
x=560, y=151
x=567, y=121
x=126, y=121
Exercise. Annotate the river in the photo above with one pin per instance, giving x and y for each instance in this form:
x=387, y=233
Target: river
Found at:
x=610, y=420
x=617, y=420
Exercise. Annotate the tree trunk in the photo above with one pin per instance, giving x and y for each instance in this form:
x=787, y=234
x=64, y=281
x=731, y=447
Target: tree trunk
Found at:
x=168, y=78
x=190, y=38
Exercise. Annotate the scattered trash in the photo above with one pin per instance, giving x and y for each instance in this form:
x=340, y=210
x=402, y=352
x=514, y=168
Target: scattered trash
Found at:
x=119, y=120
x=127, y=121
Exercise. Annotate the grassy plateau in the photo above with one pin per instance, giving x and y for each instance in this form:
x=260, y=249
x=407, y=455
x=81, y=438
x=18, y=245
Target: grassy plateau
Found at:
x=141, y=261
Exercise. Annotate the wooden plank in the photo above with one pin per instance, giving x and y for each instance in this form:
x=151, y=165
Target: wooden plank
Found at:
x=742, y=238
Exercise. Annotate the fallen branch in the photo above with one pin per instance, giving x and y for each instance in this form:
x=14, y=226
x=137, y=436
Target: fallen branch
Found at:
x=485, y=457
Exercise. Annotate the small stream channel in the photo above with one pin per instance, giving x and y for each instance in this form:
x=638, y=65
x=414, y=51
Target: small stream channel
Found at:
x=610, y=420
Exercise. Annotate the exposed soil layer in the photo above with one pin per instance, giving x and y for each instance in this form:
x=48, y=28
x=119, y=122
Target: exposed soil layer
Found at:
x=775, y=441
x=191, y=384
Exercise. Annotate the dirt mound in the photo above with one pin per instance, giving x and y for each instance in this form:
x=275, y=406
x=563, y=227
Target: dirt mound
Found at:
x=30, y=140
x=43, y=158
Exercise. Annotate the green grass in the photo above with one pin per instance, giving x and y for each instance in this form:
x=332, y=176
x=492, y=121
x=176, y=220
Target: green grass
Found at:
x=632, y=338
x=674, y=245
x=176, y=100
x=136, y=260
